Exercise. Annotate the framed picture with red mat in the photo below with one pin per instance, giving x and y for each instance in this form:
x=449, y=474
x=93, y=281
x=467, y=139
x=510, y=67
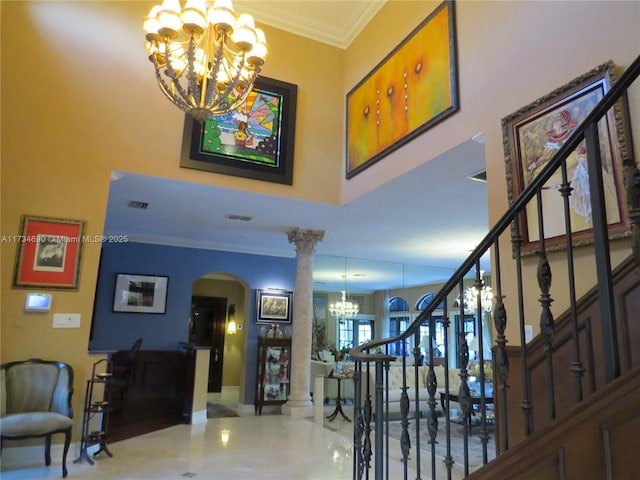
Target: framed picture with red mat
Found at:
x=48, y=253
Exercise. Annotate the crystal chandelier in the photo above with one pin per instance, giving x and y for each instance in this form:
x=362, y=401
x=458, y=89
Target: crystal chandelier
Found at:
x=343, y=309
x=206, y=59
x=471, y=298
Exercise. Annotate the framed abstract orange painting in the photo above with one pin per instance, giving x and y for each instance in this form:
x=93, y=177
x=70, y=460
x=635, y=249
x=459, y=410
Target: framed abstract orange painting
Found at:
x=409, y=91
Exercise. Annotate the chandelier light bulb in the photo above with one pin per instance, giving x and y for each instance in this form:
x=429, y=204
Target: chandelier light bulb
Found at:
x=194, y=15
x=150, y=23
x=245, y=33
x=259, y=50
x=221, y=15
x=169, y=15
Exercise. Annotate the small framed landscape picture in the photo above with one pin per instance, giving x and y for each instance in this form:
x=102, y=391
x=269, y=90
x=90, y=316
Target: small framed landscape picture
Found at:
x=140, y=293
x=274, y=306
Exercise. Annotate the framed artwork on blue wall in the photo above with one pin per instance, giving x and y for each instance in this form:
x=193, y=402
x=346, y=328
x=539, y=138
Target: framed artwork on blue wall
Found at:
x=140, y=293
x=274, y=306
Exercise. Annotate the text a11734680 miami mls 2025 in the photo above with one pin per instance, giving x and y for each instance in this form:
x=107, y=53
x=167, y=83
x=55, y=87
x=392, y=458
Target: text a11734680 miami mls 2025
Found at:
x=64, y=239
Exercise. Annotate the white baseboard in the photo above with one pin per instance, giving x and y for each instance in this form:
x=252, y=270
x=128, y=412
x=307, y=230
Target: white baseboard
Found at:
x=199, y=417
x=243, y=409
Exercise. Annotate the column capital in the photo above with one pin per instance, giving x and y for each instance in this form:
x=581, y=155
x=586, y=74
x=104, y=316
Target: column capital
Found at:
x=305, y=240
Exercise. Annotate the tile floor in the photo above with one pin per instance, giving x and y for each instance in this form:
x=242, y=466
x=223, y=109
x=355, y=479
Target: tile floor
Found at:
x=271, y=446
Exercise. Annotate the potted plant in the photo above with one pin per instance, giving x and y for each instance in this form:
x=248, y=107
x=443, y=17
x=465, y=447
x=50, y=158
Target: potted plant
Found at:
x=339, y=356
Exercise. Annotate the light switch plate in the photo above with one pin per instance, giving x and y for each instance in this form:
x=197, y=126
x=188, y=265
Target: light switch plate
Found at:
x=528, y=333
x=66, y=320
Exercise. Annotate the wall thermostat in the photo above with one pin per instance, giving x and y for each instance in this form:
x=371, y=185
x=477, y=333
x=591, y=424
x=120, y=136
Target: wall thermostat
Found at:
x=37, y=302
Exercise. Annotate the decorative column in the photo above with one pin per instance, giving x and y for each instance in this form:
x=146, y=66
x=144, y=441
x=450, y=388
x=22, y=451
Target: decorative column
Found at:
x=299, y=402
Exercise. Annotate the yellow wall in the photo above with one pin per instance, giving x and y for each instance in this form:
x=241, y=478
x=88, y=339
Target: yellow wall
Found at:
x=201, y=380
x=79, y=101
x=509, y=54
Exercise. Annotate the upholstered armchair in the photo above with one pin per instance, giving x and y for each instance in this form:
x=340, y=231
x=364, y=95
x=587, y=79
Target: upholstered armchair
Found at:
x=36, y=402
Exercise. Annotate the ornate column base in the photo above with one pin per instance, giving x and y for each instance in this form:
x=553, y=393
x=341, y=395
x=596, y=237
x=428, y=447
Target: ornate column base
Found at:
x=298, y=409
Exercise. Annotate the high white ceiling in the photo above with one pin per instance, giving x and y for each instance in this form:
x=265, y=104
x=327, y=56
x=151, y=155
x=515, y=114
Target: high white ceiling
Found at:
x=335, y=22
x=416, y=229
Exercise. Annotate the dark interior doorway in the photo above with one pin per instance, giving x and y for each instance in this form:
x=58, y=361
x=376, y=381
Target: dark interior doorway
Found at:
x=208, y=320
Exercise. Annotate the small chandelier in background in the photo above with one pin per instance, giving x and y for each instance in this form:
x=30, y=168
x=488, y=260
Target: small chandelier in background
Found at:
x=471, y=298
x=343, y=309
x=206, y=59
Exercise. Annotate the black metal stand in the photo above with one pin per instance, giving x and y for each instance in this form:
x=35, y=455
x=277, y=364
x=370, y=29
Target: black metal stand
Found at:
x=91, y=409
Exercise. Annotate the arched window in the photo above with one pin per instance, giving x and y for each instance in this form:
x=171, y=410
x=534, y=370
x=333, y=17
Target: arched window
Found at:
x=399, y=320
x=398, y=304
x=437, y=339
x=426, y=300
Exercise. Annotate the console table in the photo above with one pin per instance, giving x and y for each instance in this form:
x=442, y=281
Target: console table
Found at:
x=338, y=409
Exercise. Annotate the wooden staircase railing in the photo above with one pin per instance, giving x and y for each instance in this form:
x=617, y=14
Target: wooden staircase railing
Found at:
x=592, y=441
x=530, y=400
x=626, y=294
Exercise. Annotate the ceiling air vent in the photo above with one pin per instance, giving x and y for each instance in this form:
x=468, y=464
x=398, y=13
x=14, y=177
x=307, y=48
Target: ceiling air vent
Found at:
x=138, y=204
x=242, y=218
x=480, y=138
x=480, y=176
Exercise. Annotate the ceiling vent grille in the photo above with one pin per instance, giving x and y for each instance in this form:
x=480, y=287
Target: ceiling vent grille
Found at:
x=480, y=138
x=138, y=204
x=480, y=176
x=241, y=218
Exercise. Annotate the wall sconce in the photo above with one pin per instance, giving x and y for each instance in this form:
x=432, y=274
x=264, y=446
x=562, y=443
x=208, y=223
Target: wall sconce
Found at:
x=224, y=437
x=232, y=328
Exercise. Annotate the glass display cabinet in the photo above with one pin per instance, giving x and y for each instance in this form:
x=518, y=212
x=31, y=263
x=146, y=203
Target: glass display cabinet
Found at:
x=273, y=372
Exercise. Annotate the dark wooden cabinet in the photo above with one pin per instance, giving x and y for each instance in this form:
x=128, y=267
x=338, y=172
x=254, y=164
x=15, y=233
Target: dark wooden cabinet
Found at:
x=153, y=397
x=273, y=372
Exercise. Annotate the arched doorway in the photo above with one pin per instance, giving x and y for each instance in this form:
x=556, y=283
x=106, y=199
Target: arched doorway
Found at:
x=207, y=328
x=214, y=296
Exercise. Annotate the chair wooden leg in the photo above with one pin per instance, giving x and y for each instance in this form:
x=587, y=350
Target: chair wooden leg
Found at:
x=47, y=450
x=67, y=442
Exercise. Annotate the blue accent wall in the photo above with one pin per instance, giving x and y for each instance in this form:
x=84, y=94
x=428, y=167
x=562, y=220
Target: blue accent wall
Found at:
x=183, y=266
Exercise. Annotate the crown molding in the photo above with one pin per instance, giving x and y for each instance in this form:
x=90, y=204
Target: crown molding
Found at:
x=338, y=30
